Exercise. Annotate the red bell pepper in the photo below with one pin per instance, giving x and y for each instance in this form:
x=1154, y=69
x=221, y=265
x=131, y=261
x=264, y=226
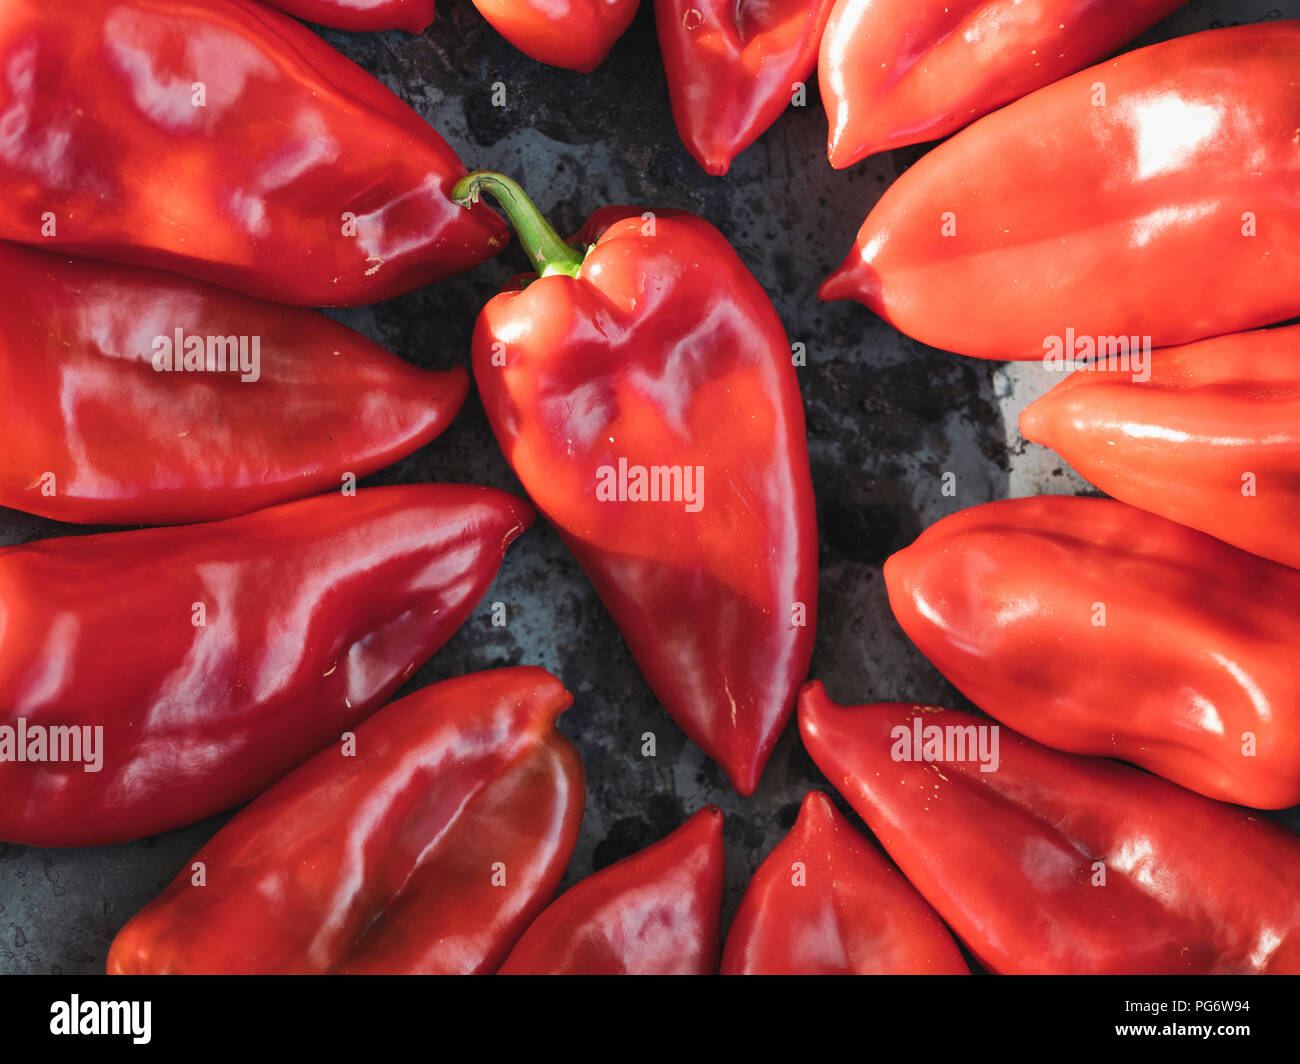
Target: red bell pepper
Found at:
x=413, y=16
x=574, y=34
x=897, y=72
x=1209, y=439
x=202, y=662
x=732, y=68
x=101, y=422
x=1057, y=864
x=654, y=913
x=1098, y=628
x=223, y=140
x=642, y=389
x=824, y=902
x=427, y=850
x=1116, y=207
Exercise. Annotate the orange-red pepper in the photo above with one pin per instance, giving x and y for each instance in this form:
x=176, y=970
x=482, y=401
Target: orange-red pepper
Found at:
x=574, y=34
x=897, y=72
x=1055, y=864
x=1113, y=209
x=1098, y=628
x=1207, y=434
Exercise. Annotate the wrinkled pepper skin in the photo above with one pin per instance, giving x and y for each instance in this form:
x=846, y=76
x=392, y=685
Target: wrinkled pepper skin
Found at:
x=1013, y=859
x=428, y=851
x=1211, y=440
x=663, y=351
x=899, y=72
x=414, y=16
x=301, y=179
x=657, y=912
x=125, y=443
x=573, y=34
x=1055, y=216
x=852, y=913
x=314, y=613
x=1098, y=628
x=732, y=68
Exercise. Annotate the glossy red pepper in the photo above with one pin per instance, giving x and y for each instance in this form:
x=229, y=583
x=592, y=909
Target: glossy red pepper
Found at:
x=654, y=913
x=1208, y=436
x=426, y=850
x=897, y=72
x=824, y=902
x=411, y=15
x=216, y=657
x=733, y=67
x=101, y=423
x=1057, y=864
x=1098, y=628
x=223, y=140
x=1120, y=205
x=574, y=34
x=643, y=391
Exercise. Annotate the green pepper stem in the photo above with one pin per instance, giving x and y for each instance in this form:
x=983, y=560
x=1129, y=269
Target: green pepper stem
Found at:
x=548, y=252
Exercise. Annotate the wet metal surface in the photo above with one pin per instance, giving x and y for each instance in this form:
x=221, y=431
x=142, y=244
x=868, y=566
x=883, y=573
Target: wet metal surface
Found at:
x=887, y=417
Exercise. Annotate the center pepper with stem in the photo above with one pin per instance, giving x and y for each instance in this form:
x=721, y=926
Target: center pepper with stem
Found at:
x=642, y=389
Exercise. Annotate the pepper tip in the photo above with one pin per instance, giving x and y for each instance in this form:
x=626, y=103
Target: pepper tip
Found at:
x=1033, y=422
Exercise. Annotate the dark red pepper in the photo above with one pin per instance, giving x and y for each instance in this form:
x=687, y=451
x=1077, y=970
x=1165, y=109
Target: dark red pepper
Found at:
x=650, y=365
x=654, y=913
x=411, y=15
x=216, y=657
x=101, y=422
x=824, y=902
x=427, y=849
x=223, y=140
x=733, y=66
